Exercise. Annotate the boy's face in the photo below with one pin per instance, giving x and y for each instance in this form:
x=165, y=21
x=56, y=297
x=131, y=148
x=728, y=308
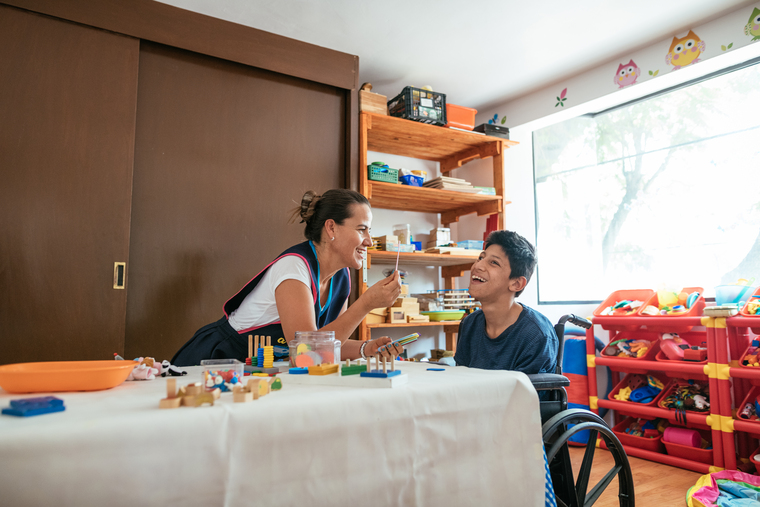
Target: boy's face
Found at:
x=490, y=276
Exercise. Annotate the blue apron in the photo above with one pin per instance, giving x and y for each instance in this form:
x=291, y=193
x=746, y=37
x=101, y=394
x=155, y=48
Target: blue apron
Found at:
x=219, y=340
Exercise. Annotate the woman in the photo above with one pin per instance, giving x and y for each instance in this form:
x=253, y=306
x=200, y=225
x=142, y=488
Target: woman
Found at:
x=305, y=288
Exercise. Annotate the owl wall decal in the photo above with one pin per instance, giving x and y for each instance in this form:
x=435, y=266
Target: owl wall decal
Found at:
x=627, y=74
x=753, y=26
x=685, y=51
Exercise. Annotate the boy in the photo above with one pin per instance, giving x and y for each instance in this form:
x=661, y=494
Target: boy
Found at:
x=504, y=334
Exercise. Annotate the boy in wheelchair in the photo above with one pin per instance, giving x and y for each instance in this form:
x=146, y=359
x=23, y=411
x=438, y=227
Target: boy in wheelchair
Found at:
x=504, y=334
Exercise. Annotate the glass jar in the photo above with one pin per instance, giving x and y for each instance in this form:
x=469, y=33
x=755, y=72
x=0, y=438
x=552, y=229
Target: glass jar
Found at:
x=321, y=347
x=404, y=233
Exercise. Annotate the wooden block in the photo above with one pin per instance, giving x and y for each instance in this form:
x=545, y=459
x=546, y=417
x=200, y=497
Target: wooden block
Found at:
x=411, y=308
x=204, y=398
x=194, y=389
x=188, y=400
x=323, y=369
x=396, y=316
x=242, y=396
x=170, y=403
x=400, y=302
x=373, y=102
x=417, y=318
x=404, y=289
x=216, y=393
x=171, y=388
x=375, y=319
x=388, y=239
x=379, y=311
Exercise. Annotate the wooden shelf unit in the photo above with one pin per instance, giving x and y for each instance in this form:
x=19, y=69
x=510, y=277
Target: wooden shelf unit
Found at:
x=451, y=149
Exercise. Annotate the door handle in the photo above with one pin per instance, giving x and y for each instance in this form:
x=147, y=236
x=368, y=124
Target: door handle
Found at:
x=119, y=274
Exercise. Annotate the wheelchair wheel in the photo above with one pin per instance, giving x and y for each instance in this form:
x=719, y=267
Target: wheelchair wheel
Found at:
x=575, y=493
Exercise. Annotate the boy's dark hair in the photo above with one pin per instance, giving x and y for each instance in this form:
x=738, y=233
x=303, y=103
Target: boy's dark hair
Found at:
x=334, y=204
x=519, y=251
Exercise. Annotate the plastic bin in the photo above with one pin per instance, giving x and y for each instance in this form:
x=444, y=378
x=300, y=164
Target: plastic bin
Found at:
x=385, y=174
x=419, y=105
x=221, y=373
x=632, y=379
x=691, y=453
x=619, y=295
x=670, y=389
x=749, y=398
x=745, y=309
x=670, y=327
x=695, y=338
x=650, y=444
x=460, y=117
x=629, y=364
x=412, y=180
x=749, y=350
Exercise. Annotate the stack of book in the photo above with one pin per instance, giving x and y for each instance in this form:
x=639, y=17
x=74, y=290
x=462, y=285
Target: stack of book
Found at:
x=458, y=184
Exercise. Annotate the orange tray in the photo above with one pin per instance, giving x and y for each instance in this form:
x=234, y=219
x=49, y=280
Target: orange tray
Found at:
x=605, y=321
x=60, y=376
x=694, y=338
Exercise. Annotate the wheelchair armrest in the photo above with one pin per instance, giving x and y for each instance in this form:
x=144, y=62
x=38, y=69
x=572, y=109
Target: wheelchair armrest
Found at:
x=548, y=381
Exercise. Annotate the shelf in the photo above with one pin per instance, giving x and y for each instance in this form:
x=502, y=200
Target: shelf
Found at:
x=415, y=324
x=624, y=407
x=665, y=459
x=450, y=203
x=689, y=371
x=452, y=148
x=419, y=259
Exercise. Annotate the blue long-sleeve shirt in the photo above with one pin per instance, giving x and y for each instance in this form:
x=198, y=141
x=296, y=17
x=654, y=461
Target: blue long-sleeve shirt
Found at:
x=529, y=345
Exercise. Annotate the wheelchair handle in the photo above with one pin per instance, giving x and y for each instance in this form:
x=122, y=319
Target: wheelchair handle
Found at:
x=578, y=321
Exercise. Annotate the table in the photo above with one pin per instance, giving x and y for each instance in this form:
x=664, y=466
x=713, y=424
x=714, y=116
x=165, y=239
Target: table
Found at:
x=455, y=437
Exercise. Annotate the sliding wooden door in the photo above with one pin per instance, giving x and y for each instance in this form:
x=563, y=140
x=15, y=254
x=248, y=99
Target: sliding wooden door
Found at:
x=67, y=117
x=223, y=152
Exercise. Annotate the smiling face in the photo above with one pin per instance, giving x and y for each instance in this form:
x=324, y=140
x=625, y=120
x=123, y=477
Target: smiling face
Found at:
x=352, y=237
x=490, y=276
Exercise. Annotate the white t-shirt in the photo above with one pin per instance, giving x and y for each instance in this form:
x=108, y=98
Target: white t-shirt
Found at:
x=259, y=308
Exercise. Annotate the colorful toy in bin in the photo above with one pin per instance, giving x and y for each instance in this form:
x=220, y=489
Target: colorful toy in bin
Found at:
x=624, y=307
x=667, y=302
x=627, y=348
x=750, y=357
x=687, y=395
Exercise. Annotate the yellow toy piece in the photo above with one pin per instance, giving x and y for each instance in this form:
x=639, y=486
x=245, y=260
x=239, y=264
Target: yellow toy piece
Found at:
x=624, y=394
x=642, y=351
x=654, y=382
x=302, y=348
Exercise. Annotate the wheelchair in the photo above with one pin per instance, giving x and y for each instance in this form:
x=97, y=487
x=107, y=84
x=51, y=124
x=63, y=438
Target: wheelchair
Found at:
x=560, y=424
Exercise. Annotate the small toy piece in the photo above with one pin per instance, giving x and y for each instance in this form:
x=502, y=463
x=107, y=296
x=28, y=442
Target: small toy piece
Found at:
x=323, y=369
x=436, y=369
x=30, y=407
x=169, y=369
x=697, y=354
x=624, y=307
x=380, y=374
x=298, y=371
x=624, y=394
x=350, y=369
x=171, y=400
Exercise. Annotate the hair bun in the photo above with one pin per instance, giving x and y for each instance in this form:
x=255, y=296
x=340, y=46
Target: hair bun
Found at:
x=308, y=204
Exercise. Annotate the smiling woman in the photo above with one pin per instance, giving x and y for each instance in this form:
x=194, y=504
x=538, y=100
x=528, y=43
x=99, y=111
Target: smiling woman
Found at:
x=305, y=288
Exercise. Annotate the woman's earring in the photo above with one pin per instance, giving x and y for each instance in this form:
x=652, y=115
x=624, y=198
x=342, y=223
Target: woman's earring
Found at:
x=332, y=239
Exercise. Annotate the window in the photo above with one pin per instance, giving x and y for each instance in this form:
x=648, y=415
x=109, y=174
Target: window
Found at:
x=664, y=192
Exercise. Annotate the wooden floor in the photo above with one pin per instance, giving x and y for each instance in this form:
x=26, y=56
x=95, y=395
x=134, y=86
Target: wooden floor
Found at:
x=655, y=485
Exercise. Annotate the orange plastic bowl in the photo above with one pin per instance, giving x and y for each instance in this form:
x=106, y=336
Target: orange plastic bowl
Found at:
x=60, y=376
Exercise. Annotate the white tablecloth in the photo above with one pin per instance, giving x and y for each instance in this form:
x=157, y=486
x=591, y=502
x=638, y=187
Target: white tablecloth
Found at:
x=457, y=437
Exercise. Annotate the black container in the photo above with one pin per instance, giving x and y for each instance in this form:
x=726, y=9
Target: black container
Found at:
x=419, y=105
x=490, y=129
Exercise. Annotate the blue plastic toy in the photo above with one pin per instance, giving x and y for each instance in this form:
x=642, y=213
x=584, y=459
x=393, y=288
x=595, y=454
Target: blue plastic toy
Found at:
x=34, y=406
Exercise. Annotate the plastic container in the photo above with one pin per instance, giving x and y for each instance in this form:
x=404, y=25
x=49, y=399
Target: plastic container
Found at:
x=697, y=338
x=220, y=373
x=404, y=233
x=642, y=295
x=62, y=376
x=384, y=174
x=460, y=117
x=316, y=347
x=637, y=379
x=419, y=105
x=732, y=294
x=671, y=326
x=745, y=309
x=629, y=364
x=682, y=436
x=412, y=180
x=445, y=315
x=492, y=130
x=755, y=459
x=470, y=244
x=691, y=453
x=650, y=444
x=671, y=388
x=750, y=398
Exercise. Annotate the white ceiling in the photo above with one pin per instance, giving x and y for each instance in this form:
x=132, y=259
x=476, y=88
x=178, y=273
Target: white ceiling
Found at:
x=481, y=53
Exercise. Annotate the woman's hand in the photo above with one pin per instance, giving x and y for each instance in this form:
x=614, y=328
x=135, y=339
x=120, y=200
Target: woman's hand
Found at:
x=382, y=346
x=384, y=293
